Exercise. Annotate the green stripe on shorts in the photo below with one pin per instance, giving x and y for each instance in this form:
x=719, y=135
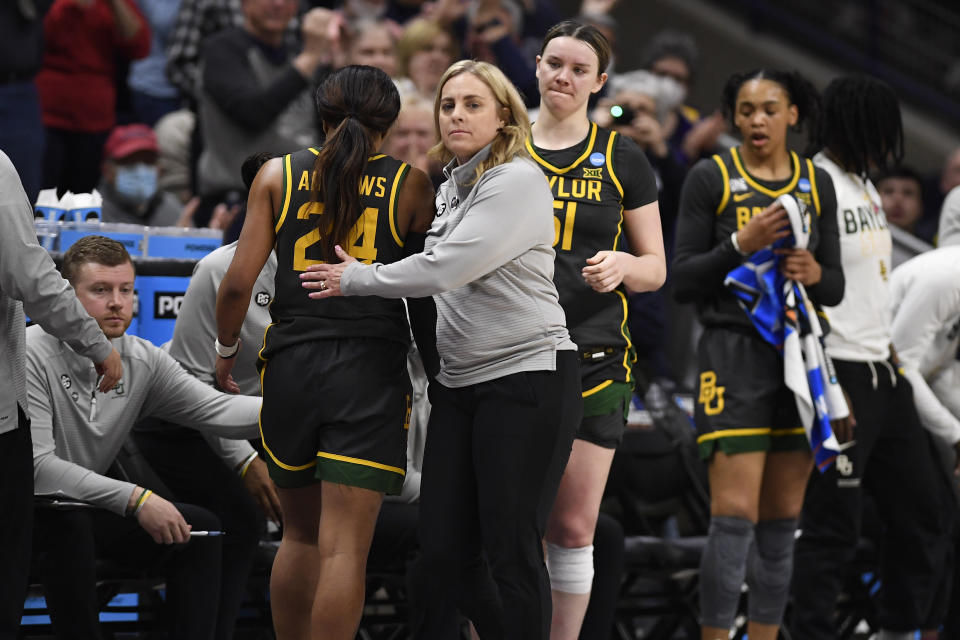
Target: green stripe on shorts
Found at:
x=358, y=474
x=613, y=397
x=290, y=479
x=733, y=444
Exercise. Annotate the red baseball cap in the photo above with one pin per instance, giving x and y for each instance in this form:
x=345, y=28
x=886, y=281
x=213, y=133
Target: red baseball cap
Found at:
x=127, y=139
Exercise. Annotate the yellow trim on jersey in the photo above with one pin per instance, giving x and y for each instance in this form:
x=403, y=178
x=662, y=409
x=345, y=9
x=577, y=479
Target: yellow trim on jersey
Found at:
x=394, y=197
x=613, y=176
x=616, y=238
x=626, y=335
x=813, y=186
x=600, y=387
x=609, y=157
x=263, y=345
x=533, y=154
x=287, y=188
x=753, y=183
x=316, y=152
x=762, y=431
x=726, y=183
x=264, y=440
x=366, y=463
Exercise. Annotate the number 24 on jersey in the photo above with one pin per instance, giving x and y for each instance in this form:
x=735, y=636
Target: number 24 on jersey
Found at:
x=360, y=243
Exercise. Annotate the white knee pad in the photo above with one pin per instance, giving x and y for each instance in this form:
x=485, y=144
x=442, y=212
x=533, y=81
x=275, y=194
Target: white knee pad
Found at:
x=571, y=570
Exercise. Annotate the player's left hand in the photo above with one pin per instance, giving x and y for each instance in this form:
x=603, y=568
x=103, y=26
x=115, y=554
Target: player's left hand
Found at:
x=222, y=369
x=258, y=483
x=323, y=280
x=800, y=265
x=605, y=271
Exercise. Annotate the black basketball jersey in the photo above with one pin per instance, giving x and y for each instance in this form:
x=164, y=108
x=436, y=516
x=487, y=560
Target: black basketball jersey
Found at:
x=744, y=197
x=588, y=217
x=374, y=238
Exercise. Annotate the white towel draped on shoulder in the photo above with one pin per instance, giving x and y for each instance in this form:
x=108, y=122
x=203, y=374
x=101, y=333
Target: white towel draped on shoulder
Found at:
x=784, y=316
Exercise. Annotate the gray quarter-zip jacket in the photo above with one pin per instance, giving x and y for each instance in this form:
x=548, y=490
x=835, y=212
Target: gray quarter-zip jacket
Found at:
x=29, y=280
x=77, y=431
x=488, y=263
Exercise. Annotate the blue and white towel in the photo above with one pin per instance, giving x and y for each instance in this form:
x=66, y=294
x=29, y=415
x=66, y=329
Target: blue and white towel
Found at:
x=781, y=311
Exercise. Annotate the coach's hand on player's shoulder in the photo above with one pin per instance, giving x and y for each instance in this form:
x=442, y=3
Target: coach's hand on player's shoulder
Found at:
x=261, y=487
x=323, y=280
x=764, y=229
x=162, y=521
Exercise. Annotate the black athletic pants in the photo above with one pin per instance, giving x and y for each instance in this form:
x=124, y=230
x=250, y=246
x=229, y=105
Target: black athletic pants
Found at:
x=494, y=456
x=892, y=459
x=16, y=523
x=68, y=543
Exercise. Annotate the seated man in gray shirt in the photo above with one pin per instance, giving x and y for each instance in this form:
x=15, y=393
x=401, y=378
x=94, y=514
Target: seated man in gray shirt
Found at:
x=77, y=433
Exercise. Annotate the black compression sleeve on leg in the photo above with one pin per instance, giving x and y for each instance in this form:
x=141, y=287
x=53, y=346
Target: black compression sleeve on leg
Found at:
x=722, y=570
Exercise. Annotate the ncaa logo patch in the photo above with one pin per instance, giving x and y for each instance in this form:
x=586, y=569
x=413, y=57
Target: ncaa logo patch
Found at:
x=803, y=184
x=262, y=298
x=738, y=185
x=597, y=159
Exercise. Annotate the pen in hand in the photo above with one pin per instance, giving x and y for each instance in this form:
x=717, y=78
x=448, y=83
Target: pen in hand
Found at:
x=204, y=534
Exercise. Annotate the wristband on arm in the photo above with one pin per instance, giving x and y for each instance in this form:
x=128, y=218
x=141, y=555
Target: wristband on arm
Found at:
x=226, y=352
x=245, y=465
x=142, y=500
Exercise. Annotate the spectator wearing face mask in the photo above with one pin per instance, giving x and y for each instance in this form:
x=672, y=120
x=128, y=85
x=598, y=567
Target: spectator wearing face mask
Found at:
x=674, y=54
x=129, y=180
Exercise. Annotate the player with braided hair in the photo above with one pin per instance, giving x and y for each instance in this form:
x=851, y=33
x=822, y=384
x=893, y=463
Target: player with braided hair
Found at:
x=891, y=458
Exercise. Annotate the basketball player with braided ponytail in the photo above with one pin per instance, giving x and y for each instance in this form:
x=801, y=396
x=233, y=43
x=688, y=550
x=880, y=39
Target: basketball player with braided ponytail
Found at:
x=336, y=395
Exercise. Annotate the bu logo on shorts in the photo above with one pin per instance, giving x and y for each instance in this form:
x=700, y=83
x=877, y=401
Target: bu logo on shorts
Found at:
x=711, y=396
x=844, y=465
